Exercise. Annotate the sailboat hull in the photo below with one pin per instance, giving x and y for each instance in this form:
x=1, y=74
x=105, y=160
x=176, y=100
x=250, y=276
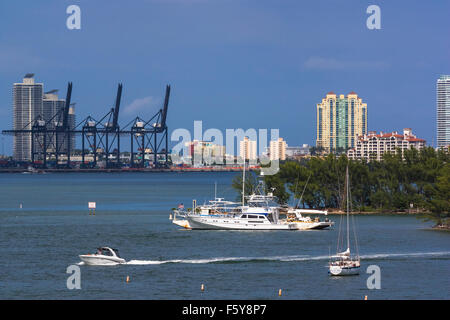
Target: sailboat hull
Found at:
x=343, y=271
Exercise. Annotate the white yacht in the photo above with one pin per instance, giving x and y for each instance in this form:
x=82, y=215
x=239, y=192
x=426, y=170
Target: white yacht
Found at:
x=305, y=222
x=215, y=208
x=256, y=214
x=243, y=221
x=103, y=256
x=343, y=263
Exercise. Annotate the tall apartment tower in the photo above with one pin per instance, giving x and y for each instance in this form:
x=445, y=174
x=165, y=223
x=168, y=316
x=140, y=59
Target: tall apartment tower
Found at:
x=340, y=119
x=278, y=149
x=247, y=149
x=27, y=105
x=443, y=111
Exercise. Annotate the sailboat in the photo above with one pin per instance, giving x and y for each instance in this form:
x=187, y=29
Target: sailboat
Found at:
x=343, y=263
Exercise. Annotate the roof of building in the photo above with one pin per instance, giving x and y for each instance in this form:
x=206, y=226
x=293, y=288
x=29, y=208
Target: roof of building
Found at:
x=372, y=134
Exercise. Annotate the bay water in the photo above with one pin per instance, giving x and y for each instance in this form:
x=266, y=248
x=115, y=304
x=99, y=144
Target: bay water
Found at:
x=45, y=224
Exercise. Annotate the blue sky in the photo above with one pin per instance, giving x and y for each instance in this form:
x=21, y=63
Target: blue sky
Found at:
x=232, y=64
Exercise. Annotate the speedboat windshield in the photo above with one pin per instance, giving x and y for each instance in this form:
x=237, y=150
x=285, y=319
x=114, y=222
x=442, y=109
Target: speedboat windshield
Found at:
x=108, y=251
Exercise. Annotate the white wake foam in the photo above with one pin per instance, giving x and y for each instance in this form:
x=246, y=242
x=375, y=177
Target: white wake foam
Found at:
x=288, y=258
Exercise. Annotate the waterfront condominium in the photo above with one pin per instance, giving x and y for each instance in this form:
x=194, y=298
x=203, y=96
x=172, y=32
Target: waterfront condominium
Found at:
x=27, y=105
x=340, y=119
x=443, y=111
x=277, y=149
x=247, y=149
x=373, y=146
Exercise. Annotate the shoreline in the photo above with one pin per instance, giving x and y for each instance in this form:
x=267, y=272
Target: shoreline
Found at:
x=114, y=170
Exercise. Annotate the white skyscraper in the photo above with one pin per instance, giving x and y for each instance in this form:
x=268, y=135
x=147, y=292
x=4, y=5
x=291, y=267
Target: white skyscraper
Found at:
x=27, y=105
x=443, y=111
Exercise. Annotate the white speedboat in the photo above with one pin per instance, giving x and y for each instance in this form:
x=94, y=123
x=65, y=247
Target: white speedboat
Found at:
x=103, y=256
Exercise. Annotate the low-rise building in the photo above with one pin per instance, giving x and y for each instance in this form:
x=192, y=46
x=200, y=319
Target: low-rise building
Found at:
x=294, y=152
x=205, y=152
x=373, y=146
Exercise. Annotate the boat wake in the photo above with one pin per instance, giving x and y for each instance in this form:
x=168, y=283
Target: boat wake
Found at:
x=426, y=255
x=288, y=258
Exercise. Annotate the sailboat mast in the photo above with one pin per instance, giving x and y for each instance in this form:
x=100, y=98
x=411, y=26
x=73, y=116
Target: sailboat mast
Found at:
x=348, y=231
x=243, y=185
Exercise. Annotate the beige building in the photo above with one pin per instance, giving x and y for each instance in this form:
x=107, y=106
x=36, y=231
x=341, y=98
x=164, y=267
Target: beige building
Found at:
x=340, y=119
x=247, y=149
x=206, y=152
x=277, y=149
x=372, y=146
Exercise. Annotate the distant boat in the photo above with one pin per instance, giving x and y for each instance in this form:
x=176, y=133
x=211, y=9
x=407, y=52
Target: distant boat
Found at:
x=343, y=263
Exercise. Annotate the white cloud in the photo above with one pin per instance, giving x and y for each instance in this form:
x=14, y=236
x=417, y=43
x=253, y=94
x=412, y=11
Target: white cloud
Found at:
x=142, y=104
x=319, y=63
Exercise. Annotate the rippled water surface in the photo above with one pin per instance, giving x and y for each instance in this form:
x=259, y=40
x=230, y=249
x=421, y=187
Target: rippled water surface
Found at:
x=45, y=224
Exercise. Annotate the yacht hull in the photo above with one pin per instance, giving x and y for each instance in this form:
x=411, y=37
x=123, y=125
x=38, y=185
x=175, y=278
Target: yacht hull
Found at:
x=234, y=224
x=312, y=225
x=182, y=223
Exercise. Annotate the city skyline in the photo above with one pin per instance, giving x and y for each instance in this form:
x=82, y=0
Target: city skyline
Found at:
x=283, y=66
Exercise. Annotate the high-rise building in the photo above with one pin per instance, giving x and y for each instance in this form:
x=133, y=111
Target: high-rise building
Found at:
x=340, y=119
x=71, y=120
x=52, y=111
x=278, y=149
x=31, y=104
x=27, y=106
x=443, y=111
x=247, y=149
